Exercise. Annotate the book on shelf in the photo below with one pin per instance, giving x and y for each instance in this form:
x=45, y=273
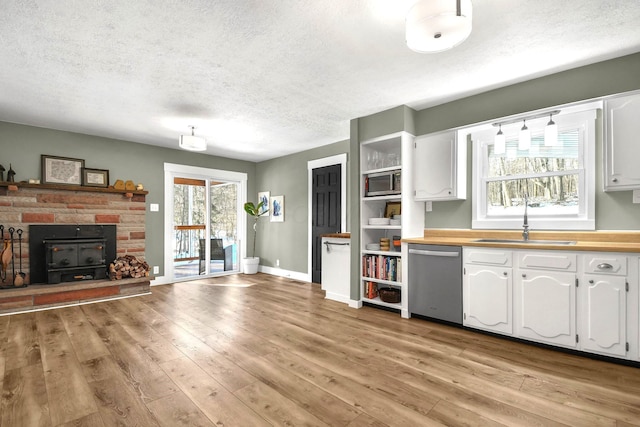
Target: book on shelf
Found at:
x=381, y=267
x=371, y=290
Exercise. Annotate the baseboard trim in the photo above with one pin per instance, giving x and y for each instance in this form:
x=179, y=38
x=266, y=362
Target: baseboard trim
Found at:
x=303, y=277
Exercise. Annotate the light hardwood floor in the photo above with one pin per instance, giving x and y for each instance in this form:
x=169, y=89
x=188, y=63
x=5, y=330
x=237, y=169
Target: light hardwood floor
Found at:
x=277, y=353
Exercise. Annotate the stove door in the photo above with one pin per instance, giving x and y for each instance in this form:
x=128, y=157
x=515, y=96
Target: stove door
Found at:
x=62, y=255
x=91, y=253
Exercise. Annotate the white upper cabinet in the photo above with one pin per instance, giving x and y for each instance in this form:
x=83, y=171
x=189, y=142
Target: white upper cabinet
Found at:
x=440, y=167
x=622, y=143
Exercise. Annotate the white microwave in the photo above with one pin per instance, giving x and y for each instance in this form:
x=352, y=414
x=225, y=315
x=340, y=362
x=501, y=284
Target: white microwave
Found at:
x=383, y=183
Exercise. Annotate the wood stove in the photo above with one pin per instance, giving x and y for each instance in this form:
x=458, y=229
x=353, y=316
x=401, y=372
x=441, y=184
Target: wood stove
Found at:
x=67, y=253
x=75, y=259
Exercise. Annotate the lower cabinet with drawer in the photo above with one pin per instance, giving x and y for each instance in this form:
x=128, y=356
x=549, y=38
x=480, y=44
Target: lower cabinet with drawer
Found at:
x=579, y=300
x=603, y=292
x=487, y=289
x=545, y=297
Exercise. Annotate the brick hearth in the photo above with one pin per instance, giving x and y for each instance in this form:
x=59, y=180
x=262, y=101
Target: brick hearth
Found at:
x=24, y=204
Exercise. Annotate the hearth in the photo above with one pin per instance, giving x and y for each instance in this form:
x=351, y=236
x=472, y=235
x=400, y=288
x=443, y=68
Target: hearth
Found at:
x=67, y=253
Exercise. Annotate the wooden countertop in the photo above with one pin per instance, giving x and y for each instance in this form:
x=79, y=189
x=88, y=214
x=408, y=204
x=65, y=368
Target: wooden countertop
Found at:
x=604, y=241
x=338, y=235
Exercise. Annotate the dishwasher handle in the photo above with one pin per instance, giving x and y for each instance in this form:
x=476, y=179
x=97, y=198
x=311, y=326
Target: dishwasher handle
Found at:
x=434, y=253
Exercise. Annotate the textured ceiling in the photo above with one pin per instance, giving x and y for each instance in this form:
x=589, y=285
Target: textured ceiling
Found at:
x=262, y=79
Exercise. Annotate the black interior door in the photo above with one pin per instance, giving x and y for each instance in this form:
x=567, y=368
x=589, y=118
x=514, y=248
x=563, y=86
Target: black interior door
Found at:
x=326, y=194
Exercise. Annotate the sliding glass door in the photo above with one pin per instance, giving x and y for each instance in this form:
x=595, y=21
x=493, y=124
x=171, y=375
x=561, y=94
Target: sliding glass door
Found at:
x=204, y=226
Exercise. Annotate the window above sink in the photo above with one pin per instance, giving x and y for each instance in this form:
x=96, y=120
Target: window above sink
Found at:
x=559, y=180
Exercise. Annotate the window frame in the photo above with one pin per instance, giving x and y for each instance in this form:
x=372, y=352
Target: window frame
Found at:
x=582, y=116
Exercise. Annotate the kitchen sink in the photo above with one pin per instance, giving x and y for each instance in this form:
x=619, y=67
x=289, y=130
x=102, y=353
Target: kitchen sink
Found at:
x=532, y=242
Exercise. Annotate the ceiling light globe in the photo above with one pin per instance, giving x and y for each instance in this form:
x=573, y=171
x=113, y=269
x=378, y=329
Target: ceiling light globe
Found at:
x=192, y=143
x=433, y=25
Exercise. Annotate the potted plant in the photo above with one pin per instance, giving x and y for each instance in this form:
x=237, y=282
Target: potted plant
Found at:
x=251, y=263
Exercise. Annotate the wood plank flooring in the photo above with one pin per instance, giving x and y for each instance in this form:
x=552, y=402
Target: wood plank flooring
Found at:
x=263, y=350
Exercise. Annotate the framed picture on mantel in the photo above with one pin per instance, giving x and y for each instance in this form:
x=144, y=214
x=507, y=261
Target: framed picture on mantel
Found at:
x=95, y=177
x=61, y=170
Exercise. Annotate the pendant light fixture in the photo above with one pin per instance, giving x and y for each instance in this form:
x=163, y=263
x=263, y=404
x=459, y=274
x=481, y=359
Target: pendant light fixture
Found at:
x=192, y=142
x=551, y=132
x=524, y=139
x=437, y=25
x=500, y=142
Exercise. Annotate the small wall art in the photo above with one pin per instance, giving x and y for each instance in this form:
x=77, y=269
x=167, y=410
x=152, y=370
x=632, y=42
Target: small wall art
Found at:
x=277, y=209
x=95, y=177
x=263, y=196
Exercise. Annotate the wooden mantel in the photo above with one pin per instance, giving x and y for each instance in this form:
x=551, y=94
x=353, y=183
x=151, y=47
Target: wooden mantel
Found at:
x=14, y=186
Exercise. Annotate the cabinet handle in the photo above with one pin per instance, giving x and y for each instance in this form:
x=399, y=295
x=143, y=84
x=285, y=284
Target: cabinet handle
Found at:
x=615, y=180
x=524, y=275
x=505, y=273
x=591, y=281
x=605, y=266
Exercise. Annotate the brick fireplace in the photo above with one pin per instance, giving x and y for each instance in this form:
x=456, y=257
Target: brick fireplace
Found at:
x=23, y=205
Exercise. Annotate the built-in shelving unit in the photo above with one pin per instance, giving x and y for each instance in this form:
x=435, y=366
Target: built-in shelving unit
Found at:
x=379, y=155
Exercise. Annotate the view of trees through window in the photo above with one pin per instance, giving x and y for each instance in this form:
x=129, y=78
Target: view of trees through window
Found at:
x=224, y=218
x=548, y=175
x=189, y=208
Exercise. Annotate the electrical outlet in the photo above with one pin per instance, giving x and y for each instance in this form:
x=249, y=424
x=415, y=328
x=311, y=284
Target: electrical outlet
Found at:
x=156, y=269
x=636, y=196
x=154, y=207
x=428, y=206
x=277, y=263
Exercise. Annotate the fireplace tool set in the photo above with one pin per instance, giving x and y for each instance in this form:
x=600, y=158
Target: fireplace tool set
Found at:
x=7, y=256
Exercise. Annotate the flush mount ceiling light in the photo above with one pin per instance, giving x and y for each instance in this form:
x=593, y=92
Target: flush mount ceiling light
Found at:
x=192, y=142
x=438, y=25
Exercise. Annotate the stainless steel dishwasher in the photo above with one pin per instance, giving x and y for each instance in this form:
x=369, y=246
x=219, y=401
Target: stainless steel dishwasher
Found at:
x=435, y=282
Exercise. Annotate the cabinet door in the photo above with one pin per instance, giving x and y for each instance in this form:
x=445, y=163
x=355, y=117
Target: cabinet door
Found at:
x=440, y=167
x=546, y=307
x=603, y=313
x=621, y=143
x=487, y=298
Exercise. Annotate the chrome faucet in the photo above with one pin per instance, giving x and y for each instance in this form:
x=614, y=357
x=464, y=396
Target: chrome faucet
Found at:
x=525, y=225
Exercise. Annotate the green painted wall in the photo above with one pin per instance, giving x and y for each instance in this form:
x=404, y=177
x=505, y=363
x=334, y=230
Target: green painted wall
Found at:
x=614, y=211
x=288, y=176
x=22, y=146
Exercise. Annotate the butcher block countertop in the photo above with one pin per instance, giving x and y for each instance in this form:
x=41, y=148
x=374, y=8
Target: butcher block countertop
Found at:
x=338, y=235
x=603, y=241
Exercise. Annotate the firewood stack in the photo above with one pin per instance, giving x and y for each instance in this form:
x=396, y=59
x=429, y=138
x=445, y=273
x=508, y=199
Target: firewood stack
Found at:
x=128, y=266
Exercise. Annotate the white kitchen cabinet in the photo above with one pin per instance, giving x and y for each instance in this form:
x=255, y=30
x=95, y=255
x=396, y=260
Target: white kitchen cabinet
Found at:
x=487, y=295
x=440, y=167
x=545, y=306
x=487, y=298
x=587, y=301
x=603, y=304
x=336, y=268
x=545, y=297
x=621, y=151
x=603, y=312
